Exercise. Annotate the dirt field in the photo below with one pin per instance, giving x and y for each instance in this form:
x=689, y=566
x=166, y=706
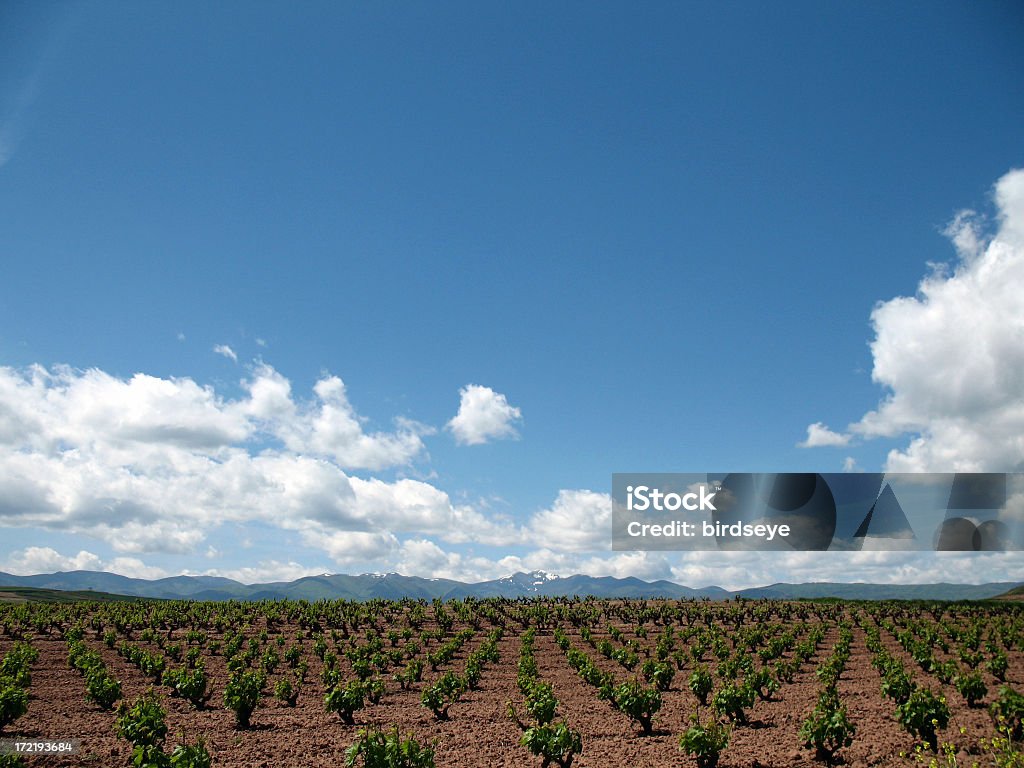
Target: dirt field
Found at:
x=478, y=731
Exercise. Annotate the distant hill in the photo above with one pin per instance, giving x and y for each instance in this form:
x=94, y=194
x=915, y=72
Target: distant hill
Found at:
x=391, y=586
x=394, y=586
x=1017, y=593
x=859, y=591
x=541, y=584
x=34, y=595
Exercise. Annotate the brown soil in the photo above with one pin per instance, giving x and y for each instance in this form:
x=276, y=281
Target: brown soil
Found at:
x=478, y=732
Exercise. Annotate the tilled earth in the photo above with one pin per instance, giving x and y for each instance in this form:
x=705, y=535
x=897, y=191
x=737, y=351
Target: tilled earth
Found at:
x=479, y=732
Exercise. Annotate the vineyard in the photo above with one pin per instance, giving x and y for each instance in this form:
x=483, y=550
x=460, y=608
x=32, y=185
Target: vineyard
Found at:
x=553, y=682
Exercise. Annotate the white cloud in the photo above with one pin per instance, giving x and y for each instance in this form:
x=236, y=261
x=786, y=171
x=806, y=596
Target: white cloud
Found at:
x=483, y=415
x=422, y=557
x=32, y=560
x=53, y=410
x=225, y=351
x=649, y=566
x=168, y=536
x=267, y=571
x=952, y=357
x=850, y=464
x=334, y=430
x=736, y=570
x=153, y=465
x=134, y=568
x=1013, y=510
x=413, y=506
x=579, y=521
x=349, y=548
x=818, y=435
x=328, y=426
x=46, y=560
x=270, y=396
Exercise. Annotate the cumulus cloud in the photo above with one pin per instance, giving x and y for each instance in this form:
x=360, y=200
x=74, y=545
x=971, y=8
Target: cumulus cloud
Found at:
x=818, y=435
x=268, y=571
x=270, y=397
x=46, y=560
x=134, y=568
x=483, y=415
x=952, y=357
x=580, y=521
x=352, y=547
x=153, y=465
x=327, y=426
x=32, y=560
x=423, y=557
x=649, y=566
x=413, y=505
x=225, y=351
x=334, y=430
x=53, y=409
x=418, y=556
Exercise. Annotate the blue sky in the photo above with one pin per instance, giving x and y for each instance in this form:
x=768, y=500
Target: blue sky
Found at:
x=620, y=238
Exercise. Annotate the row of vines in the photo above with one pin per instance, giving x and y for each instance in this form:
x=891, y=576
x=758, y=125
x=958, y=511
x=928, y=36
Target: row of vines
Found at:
x=721, y=663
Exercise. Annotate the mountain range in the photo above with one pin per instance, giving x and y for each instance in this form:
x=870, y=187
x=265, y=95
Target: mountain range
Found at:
x=395, y=586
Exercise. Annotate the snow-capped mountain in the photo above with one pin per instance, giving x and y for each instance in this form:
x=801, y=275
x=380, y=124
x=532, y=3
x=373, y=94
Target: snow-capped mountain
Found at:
x=529, y=582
